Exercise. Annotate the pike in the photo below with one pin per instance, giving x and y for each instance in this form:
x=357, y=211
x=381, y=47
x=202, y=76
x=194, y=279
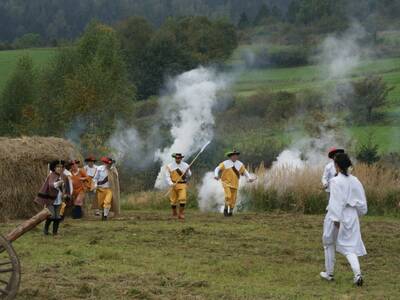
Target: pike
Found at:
x=191, y=164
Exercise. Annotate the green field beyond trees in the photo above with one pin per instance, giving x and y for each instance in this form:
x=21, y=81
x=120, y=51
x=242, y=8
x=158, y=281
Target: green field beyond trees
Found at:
x=144, y=255
x=9, y=58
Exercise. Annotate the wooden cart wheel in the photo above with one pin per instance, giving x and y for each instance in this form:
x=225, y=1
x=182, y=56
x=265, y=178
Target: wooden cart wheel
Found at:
x=10, y=270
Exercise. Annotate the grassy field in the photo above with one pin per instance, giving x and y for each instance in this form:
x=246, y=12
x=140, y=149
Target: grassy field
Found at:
x=145, y=255
x=8, y=59
x=300, y=78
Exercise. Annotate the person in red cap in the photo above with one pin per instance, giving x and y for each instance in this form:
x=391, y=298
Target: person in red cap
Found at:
x=107, y=187
x=330, y=170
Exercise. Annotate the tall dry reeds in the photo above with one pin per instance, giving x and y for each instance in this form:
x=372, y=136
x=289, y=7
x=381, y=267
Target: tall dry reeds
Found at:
x=300, y=189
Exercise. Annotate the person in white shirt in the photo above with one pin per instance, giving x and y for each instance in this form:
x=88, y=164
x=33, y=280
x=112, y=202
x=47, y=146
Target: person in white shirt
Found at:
x=90, y=166
x=177, y=175
x=341, y=230
x=104, y=194
x=91, y=170
x=330, y=170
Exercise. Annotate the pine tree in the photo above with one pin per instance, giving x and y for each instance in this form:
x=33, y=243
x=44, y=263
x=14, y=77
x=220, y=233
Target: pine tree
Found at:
x=262, y=15
x=243, y=21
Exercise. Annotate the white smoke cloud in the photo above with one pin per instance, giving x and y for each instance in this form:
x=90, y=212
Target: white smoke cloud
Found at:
x=188, y=106
x=342, y=54
x=211, y=193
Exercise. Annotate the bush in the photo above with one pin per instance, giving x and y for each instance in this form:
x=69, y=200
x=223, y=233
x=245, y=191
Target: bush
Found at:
x=273, y=106
x=368, y=152
x=28, y=40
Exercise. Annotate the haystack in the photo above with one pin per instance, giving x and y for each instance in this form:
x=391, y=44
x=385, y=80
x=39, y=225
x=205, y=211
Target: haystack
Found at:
x=23, y=169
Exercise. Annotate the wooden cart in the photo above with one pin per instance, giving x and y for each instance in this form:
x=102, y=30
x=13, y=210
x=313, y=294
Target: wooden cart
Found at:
x=10, y=268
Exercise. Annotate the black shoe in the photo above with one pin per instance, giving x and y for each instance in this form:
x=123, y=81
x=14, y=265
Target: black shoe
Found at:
x=358, y=280
x=104, y=218
x=230, y=213
x=225, y=211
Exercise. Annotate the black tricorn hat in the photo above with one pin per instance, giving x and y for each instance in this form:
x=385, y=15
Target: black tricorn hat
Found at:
x=177, y=155
x=53, y=164
x=234, y=152
x=333, y=151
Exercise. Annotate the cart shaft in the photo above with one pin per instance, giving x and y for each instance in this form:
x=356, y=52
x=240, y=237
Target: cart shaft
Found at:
x=28, y=225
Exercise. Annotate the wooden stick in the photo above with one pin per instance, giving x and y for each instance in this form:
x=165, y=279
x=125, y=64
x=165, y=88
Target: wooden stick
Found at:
x=28, y=225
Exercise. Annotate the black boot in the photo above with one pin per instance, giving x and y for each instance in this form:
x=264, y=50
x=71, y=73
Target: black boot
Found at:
x=77, y=212
x=46, y=227
x=230, y=212
x=56, y=224
x=226, y=211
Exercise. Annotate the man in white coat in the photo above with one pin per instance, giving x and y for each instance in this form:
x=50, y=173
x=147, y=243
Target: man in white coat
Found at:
x=341, y=225
x=330, y=170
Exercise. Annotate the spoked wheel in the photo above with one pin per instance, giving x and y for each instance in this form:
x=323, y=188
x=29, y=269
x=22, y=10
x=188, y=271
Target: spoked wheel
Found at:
x=10, y=270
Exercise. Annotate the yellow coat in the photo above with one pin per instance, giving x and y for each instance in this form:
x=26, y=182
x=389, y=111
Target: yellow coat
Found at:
x=230, y=173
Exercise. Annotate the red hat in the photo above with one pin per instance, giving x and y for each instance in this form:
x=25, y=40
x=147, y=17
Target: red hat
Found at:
x=107, y=160
x=333, y=151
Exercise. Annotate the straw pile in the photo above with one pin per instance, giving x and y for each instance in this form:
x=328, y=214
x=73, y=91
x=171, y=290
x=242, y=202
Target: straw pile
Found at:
x=23, y=169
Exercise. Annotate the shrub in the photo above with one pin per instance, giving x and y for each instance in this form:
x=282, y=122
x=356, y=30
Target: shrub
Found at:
x=368, y=152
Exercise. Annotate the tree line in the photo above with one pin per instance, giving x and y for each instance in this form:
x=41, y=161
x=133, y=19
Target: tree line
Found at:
x=55, y=21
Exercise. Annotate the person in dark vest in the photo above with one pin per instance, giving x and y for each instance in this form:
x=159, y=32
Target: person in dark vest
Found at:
x=229, y=172
x=177, y=175
x=54, y=191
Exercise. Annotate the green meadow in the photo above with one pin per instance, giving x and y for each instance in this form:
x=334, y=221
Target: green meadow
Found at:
x=147, y=255
x=8, y=60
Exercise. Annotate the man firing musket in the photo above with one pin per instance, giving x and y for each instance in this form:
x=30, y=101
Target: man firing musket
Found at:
x=178, y=172
x=229, y=172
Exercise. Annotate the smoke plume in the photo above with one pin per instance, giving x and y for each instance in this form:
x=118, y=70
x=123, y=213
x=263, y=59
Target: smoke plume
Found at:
x=188, y=107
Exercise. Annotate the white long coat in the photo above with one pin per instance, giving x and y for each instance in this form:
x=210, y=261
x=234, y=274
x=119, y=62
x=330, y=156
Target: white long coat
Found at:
x=346, y=203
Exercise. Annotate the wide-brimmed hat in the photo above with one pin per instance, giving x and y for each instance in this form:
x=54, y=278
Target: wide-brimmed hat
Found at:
x=333, y=151
x=90, y=158
x=55, y=163
x=107, y=160
x=233, y=152
x=177, y=155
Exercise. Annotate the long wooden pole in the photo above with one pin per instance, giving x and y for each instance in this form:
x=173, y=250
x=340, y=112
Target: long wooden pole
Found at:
x=28, y=225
